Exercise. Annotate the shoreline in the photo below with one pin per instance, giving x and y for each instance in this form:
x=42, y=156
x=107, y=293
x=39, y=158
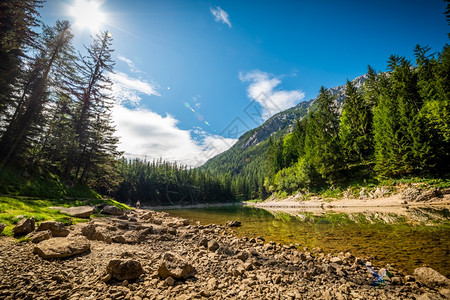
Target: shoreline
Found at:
x=201, y=205
x=394, y=201
x=179, y=260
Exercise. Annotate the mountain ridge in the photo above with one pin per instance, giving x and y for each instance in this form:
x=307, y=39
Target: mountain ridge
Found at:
x=246, y=157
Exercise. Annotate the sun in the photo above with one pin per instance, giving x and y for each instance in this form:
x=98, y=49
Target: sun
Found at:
x=87, y=14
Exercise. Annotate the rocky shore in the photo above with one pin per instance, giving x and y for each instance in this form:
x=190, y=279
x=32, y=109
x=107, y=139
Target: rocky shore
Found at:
x=151, y=255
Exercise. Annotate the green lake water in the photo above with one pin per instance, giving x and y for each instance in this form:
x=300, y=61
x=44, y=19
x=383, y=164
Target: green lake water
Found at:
x=406, y=240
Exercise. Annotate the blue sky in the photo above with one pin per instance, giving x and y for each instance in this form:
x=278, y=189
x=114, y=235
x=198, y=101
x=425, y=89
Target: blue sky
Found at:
x=190, y=75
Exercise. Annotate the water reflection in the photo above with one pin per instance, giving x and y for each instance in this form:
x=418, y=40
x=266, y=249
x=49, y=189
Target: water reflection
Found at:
x=407, y=237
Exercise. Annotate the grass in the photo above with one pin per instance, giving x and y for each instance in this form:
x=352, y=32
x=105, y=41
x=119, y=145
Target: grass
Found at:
x=42, y=185
x=13, y=208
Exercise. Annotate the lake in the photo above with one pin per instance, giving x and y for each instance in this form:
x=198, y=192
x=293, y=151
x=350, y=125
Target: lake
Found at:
x=406, y=238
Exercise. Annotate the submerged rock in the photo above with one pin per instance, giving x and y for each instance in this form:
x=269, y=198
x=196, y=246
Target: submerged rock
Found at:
x=233, y=223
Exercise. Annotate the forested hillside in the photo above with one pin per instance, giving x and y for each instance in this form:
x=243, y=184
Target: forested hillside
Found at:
x=396, y=126
x=246, y=162
x=390, y=124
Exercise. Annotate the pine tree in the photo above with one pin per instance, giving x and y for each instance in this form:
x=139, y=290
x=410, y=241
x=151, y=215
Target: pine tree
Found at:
x=17, y=21
x=432, y=124
x=322, y=137
x=97, y=146
x=28, y=117
x=395, y=120
x=356, y=126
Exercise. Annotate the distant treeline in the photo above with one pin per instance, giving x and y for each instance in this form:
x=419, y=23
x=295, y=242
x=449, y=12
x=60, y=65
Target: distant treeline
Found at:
x=163, y=183
x=397, y=125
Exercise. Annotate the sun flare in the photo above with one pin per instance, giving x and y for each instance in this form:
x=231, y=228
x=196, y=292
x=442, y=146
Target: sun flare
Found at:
x=87, y=14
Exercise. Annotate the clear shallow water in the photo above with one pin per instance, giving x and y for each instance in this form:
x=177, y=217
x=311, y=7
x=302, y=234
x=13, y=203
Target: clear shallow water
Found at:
x=406, y=240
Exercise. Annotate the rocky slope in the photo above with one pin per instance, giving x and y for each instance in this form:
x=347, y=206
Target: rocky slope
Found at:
x=150, y=255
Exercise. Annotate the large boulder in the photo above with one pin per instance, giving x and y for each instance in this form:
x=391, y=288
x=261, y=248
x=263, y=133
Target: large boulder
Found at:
x=111, y=210
x=174, y=266
x=56, y=228
x=92, y=232
x=124, y=269
x=431, y=278
x=77, y=212
x=2, y=226
x=24, y=226
x=62, y=247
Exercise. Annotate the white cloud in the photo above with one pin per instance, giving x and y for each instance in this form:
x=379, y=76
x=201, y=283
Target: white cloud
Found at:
x=220, y=16
x=128, y=89
x=144, y=133
x=262, y=89
x=130, y=63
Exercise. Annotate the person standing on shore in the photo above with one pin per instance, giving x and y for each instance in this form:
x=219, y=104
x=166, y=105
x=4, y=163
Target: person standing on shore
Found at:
x=138, y=204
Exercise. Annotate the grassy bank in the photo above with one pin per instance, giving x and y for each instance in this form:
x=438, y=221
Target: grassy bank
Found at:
x=43, y=185
x=12, y=209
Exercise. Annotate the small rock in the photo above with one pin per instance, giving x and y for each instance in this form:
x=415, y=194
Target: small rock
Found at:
x=2, y=226
x=176, y=267
x=41, y=236
x=93, y=233
x=242, y=256
x=111, y=210
x=203, y=242
x=56, y=228
x=124, y=269
x=212, y=284
x=213, y=246
x=396, y=280
x=119, y=239
x=24, y=226
x=336, y=260
x=170, y=281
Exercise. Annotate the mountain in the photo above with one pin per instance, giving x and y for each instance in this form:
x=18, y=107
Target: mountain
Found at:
x=246, y=159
